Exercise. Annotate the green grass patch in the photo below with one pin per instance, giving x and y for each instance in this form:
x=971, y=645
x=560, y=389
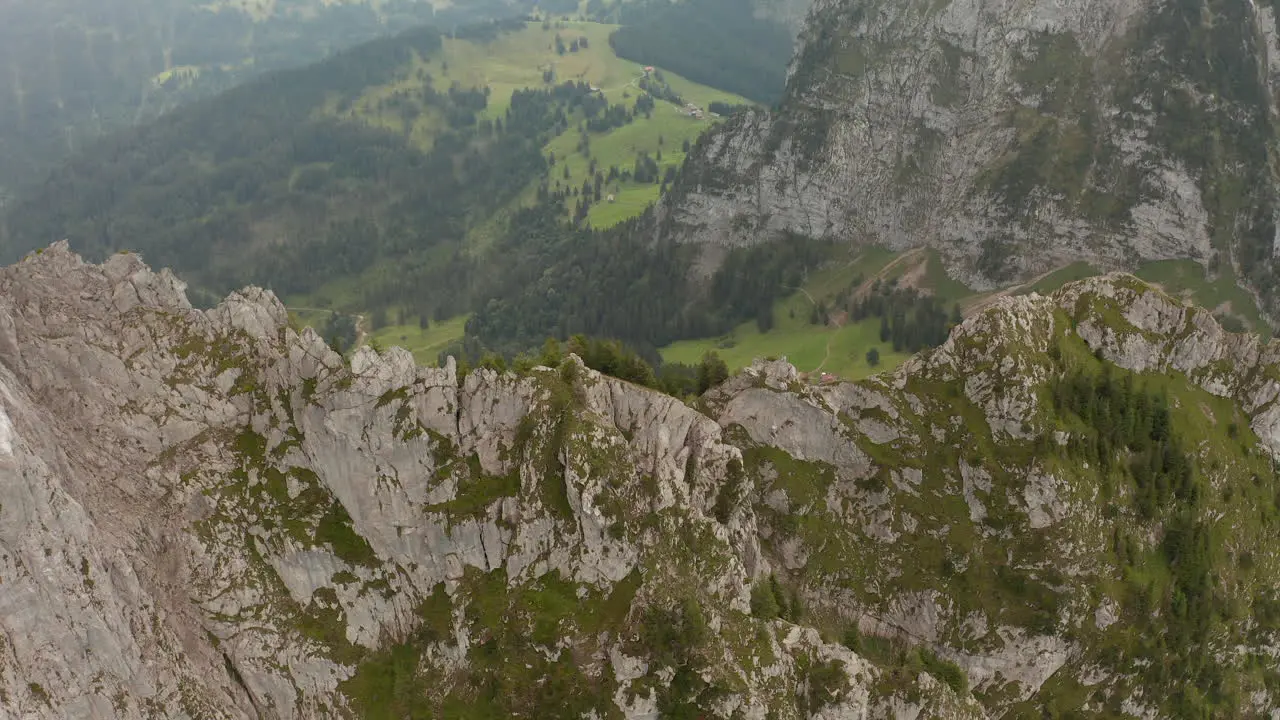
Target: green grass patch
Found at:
x=661, y=136
x=425, y=344
x=387, y=686
x=516, y=61
x=844, y=273
x=943, y=286
x=629, y=200
x=342, y=294
x=904, y=662
x=805, y=482
x=476, y=495
x=335, y=530
x=841, y=351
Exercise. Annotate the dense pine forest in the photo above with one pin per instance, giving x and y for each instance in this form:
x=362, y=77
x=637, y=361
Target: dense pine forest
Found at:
x=718, y=42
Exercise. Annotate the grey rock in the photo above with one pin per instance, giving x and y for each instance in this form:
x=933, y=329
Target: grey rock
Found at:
x=164, y=473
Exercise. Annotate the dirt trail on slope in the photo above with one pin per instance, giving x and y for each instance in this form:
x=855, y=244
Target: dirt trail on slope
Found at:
x=979, y=302
x=913, y=276
x=831, y=336
x=909, y=256
x=633, y=83
x=837, y=319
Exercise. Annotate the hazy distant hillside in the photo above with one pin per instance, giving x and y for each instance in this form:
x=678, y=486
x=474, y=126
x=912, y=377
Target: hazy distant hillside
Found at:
x=73, y=69
x=396, y=176
x=397, y=180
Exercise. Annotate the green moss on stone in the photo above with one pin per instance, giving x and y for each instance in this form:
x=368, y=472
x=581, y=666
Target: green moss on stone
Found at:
x=334, y=529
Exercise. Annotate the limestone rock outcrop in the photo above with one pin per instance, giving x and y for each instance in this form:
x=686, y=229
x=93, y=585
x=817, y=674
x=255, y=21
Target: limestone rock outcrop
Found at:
x=212, y=514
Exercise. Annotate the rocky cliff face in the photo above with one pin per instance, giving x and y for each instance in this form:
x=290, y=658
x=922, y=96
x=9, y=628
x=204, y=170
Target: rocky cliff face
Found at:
x=1013, y=136
x=209, y=514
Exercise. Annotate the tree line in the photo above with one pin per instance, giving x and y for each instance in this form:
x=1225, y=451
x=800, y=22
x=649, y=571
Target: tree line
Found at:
x=74, y=72
x=721, y=43
x=909, y=319
x=256, y=189
x=609, y=357
x=1126, y=432
x=554, y=279
x=285, y=183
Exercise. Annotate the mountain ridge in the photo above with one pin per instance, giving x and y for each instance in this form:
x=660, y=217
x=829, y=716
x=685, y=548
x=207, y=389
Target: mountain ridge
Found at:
x=220, y=517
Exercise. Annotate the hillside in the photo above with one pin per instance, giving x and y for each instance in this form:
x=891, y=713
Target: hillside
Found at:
x=722, y=43
x=388, y=182
x=1013, y=177
x=72, y=70
x=552, y=52
x=1066, y=509
x=866, y=310
x=385, y=177
x=960, y=131
x=1015, y=140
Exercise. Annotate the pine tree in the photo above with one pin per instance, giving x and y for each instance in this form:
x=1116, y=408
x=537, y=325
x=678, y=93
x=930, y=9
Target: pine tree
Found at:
x=711, y=372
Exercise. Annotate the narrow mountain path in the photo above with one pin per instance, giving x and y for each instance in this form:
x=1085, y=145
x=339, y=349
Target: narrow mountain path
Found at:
x=632, y=83
x=830, y=336
x=827, y=355
x=909, y=256
x=981, y=301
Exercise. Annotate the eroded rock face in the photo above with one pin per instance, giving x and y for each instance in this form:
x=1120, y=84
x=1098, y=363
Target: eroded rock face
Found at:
x=891, y=494
x=211, y=514
x=926, y=123
x=1156, y=333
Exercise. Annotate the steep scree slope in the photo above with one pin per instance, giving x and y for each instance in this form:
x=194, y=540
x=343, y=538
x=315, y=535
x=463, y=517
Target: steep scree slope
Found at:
x=208, y=514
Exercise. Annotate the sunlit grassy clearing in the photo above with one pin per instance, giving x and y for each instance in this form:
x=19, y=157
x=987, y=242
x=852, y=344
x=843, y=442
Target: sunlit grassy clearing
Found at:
x=516, y=61
x=841, y=351
x=425, y=344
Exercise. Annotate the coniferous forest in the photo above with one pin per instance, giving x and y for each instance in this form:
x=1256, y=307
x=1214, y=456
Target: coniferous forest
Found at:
x=270, y=184
x=72, y=71
x=721, y=43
